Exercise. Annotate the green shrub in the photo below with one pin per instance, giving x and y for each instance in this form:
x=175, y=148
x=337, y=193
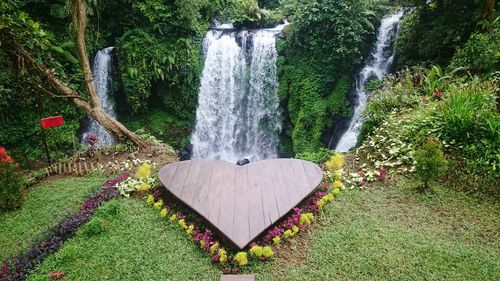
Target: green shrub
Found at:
x=469, y=120
x=11, y=187
x=430, y=162
x=94, y=227
x=480, y=55
x=318, y=157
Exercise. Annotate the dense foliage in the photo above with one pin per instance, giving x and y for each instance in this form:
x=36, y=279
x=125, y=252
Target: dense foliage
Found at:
x=11, y=182
x=316, y=63
x=455, y=107
x=435, y=29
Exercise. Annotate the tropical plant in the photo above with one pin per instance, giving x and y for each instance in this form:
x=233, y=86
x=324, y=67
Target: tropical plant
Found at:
x=11, y=182
x=430, y=163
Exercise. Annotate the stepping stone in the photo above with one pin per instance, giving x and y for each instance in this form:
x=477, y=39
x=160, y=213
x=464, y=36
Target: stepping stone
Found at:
x=247, y=277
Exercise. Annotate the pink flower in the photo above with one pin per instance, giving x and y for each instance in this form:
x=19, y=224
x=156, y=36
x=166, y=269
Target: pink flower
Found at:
x=383, y=175
x=438, y=94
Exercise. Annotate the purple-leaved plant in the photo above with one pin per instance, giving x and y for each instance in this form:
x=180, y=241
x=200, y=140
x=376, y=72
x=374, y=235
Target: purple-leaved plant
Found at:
x=17, y=267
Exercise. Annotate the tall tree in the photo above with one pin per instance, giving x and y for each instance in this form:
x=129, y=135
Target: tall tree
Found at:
x=92, y=107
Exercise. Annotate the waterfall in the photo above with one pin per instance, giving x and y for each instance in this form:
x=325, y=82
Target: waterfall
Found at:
x=103, y=81
x=237, y=115
x=377, y=65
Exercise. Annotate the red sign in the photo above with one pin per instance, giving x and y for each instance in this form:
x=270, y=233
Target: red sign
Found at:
x=52, y=122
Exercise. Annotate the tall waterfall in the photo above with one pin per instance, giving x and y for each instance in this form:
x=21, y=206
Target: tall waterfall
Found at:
x=377, y=65
x=103, y=81
x=237, y=115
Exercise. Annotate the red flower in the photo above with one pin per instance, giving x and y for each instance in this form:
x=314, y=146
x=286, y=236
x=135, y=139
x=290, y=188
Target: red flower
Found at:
x=56, y=275
x=438, y=94
x=5, y=157
x=5, y=266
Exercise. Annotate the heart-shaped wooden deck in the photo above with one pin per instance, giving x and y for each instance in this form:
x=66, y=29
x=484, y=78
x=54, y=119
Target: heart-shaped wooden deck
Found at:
x=241, y=201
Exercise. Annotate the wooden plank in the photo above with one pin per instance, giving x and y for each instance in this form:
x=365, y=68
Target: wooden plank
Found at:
x=167, y=173
x=301, y=178
x=279, y=189
x=241, y=224
x=180, y=177
x=216, y=180
x=256, y=214
x=268, y=197
x=200, y=198
x=189, y=184
x=314, y=174
x=292, y=189
x=226, y=205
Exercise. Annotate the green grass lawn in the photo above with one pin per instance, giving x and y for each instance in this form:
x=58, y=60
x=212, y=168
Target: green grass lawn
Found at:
x=45, y=206
x=128, y=241
x=389, y=233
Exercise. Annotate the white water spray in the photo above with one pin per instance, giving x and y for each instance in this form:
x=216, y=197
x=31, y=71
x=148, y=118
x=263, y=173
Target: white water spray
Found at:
x=101, y=70
x=379, y=62
x=237, y=115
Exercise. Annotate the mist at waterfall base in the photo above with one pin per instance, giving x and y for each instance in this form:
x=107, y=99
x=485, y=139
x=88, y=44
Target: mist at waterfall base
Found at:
x=237, y=115
x=377, y=65
x=103, y=81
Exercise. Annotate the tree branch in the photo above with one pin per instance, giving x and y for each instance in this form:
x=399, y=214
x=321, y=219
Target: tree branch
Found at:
x=80, y=21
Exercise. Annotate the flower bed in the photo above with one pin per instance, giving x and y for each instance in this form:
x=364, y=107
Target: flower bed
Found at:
x=17, y=267
x=262, y=249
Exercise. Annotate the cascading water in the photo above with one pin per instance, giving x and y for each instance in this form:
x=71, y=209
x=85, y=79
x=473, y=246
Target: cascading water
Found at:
x=103, y=83
x=237, y=115
x=378, y=64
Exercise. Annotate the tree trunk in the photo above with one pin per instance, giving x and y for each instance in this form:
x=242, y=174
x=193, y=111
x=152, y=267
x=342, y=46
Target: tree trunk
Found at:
x=92, y=108
x=490, y=10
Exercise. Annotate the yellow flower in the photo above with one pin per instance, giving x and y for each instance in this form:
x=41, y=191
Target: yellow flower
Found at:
x=202, y=243
x=335, y=192
x=173, y=218
x=223, y=259
x=311, y=216
x=182, y=223
x=288, y=233
x=276, y=240
x=189, y=230
x=143, y=187
x=304, y=219
x=321, y=203
x=337, y=175
x=267, y=252
x=158, y=204
x=214, y=248
x=336, y=162
x=222, y=252
x=150, y=200
x=222, y=255
x=295, y=229
x=163, y=212
x=337, y=184
x=328, y=197
x=241, y=258
x=256, y=251
x=144, y=171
